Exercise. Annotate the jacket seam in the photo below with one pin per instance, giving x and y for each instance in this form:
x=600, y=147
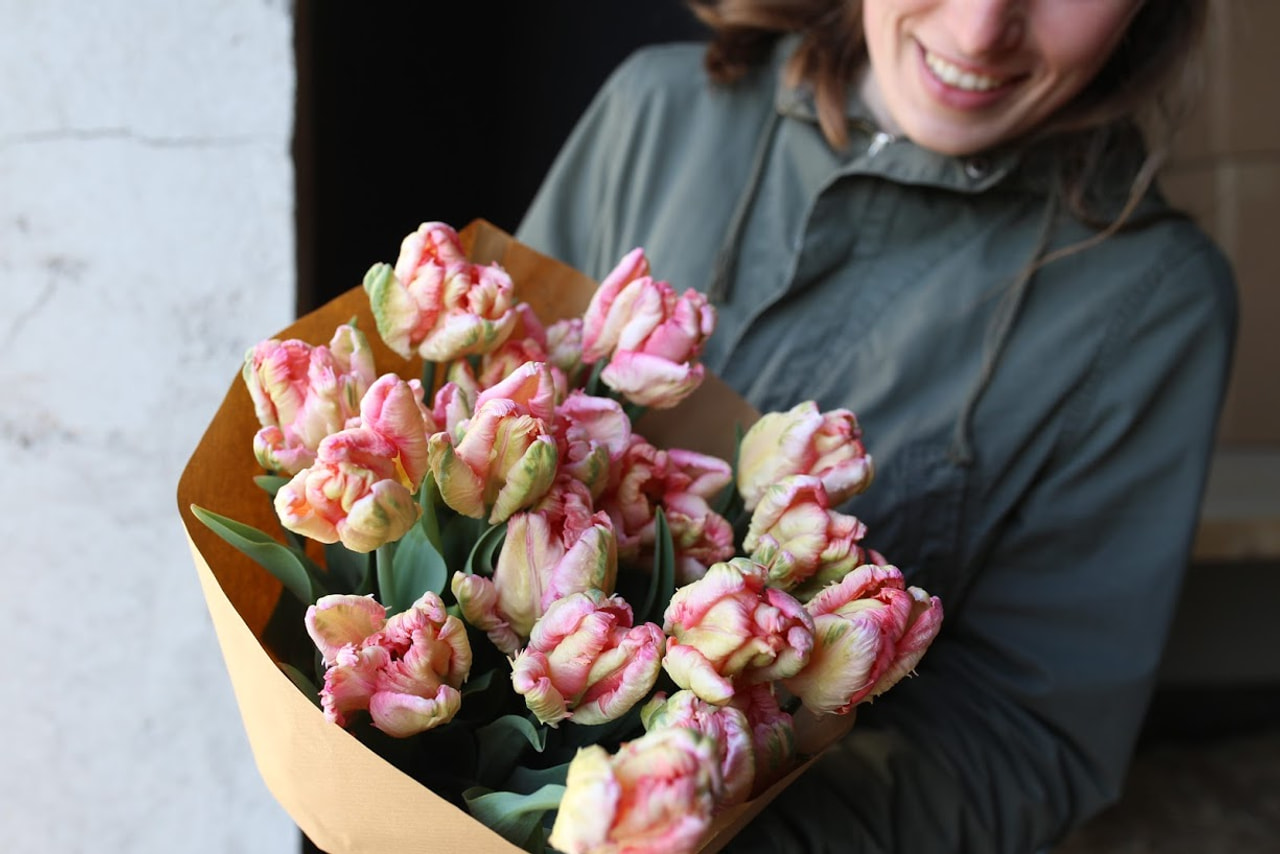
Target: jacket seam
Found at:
x=1130, y=308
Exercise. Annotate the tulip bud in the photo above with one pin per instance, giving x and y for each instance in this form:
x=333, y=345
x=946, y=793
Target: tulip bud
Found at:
x=586, y=660
x=504, y=461
x=352, y=494
x=727, y=725
x=301, y=394
x=804, y=441
x=654, y=796
x=801, y=541
x=436, y=302
x=406, y=671
x=728, y=626
x=557, y=548
x=869, y=632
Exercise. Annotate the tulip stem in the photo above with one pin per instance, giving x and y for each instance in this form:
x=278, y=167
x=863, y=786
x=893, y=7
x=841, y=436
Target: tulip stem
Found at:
x=384, y=558
x=431, y=380
x=593, y=381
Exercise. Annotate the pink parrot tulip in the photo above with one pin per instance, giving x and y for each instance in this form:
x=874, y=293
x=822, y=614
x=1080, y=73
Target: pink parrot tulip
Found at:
x=729, y=627
x=527, y=343
x=773, y=732
x=301, y=394
x=504, y=460
x=592, y=434
x=406, y=671
x=352, y=493
x=803, y=542
x=556, y=548
x=870, y=631
x=586, y=661
x=644, y=478
x=656, y=795
x=393, y=409
x=437, y=303
x=699, y=535
x=455, y=401
x=532, y=385
x=726, y=724
x=564, y=345
x=651, y=336
x=804, y=441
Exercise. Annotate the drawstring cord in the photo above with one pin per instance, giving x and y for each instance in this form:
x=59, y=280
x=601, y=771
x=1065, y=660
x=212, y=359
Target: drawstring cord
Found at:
x=961, y=450
x=727, y=259
x=720, y=287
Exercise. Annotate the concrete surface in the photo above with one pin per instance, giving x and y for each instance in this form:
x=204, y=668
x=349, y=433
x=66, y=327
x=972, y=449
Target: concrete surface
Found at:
x=146, y=239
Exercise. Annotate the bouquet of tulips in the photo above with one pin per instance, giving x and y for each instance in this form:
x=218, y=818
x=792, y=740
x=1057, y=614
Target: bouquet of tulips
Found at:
x=496, y=582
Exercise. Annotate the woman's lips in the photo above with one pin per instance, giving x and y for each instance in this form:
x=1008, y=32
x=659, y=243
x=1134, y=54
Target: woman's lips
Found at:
x=962, y=88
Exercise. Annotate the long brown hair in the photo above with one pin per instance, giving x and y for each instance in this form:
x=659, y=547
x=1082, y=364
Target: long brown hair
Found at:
x=1146, y=83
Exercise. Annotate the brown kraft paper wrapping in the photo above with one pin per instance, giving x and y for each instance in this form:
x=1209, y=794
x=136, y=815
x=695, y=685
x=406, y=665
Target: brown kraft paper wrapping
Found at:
x=346, y=798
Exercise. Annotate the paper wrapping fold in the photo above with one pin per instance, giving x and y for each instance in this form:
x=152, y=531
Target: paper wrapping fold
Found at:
x=346, y=798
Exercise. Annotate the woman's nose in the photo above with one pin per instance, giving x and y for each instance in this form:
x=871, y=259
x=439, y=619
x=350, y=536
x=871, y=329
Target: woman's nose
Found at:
x=984, y=28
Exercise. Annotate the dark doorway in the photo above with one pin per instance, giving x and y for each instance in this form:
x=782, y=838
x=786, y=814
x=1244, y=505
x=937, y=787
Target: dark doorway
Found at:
x=416, y=111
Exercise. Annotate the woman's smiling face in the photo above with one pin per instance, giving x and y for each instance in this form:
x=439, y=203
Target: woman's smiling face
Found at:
x=963, y=76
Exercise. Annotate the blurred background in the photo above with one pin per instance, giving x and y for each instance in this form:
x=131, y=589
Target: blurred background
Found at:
x=177, y=180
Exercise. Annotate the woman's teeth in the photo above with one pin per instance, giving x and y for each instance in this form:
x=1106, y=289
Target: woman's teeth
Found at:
x=955, y=76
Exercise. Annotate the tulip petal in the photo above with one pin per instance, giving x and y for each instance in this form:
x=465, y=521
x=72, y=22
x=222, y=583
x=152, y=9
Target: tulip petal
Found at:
x=690, y=669
x=403, y=715
x=651, y=380
x=337, y=620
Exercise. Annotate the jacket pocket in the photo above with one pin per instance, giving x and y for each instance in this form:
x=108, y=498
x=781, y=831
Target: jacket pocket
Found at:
x=913, y=513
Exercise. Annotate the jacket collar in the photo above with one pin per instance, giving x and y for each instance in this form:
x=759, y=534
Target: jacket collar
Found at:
x=872, y=151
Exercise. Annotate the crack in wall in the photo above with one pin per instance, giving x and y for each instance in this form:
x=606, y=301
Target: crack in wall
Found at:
x=60, y=269
x=36, y=137
x=29, y=313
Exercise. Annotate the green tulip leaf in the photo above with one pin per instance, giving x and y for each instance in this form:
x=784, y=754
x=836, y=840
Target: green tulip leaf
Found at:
x=480, y=561
x=429, y=499
x=271, y=483
x=593, y=386
x=662, y=582
x=303, y=682
x=478, y=684
x=537, y=841
x=623, y=728
x=488, y=694
x=294, y=569
x=416, y=568
x=501, y=743
x=729, y=502
x=513, y=817
x=525, y=780
x=349, y=572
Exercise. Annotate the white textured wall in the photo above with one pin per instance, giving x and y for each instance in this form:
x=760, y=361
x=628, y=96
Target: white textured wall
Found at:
x=146, y=240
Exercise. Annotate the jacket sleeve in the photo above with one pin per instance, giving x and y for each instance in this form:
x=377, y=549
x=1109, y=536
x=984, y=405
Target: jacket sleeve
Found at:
x=1022, y=718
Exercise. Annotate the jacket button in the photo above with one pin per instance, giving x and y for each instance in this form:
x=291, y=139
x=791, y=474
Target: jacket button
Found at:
x=977, y=168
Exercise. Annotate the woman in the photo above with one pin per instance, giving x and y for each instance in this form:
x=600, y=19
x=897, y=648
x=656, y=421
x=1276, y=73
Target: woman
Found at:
x=938, y=214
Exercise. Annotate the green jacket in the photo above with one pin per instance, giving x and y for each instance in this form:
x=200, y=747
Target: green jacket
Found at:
x=1040, y=445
